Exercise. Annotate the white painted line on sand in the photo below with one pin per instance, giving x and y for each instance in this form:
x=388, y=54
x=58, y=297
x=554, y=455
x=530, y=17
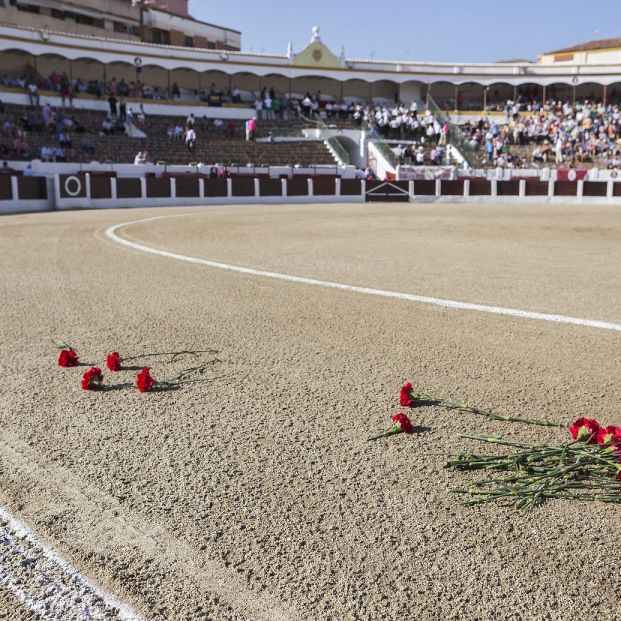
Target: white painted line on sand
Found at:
x=111, y=233
x=47, y=584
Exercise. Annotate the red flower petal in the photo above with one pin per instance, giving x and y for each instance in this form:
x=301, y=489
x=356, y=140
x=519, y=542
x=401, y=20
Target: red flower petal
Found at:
x=92, y=379
x=68, y=358
x=586, y=429
x=144, y=381
x=404, y=398
x=113, y=361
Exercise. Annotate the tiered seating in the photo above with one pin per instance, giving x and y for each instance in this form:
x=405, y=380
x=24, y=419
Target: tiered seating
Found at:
x=211, y=147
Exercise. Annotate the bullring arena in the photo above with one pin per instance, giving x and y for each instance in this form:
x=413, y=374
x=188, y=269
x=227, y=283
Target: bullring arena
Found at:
x=281, y=306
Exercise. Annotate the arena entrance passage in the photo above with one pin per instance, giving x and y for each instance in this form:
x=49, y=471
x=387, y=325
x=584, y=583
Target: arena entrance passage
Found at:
x=387, y=192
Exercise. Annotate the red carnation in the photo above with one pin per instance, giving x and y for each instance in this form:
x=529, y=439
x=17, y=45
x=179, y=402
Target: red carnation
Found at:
x=405, y=397
x=144, y=381
x=618, y=477
x=403, y=421
x=68, y=358
x=113, y=361
x=92, y=379
x=610, y=435
x=585, y=429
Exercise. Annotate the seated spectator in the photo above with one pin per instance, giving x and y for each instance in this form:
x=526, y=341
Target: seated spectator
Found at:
x=107, y=127
x=64, y=140
x=141, y=158
x=59, y=154
x=179, y=133
x=170, y=132
x=47, y=154
x=8, y=127
x=5, y=169
x=28, y=172
x=218, y=126
x=87, y=146
x=21, y=149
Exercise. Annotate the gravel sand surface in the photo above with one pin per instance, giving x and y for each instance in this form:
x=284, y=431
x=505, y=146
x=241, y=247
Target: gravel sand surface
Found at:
x=257, y=497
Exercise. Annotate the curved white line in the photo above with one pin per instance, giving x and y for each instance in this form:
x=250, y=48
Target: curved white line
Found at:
x=408, y=297
x=49, y=585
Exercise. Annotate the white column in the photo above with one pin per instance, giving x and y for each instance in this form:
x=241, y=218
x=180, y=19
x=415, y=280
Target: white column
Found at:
x=257, y=189
x=411, y=188
x=610, y=188
x=143, y=188
x=15, y=187
x=283, y=184
x=311, y=187
x=580, y=189
x=113, y=189
x=550, y=187
x=363, y=189
x=337, y=186
x=438, y=187
x=229, y=187
x=173, y=188
x=466, y=187
x=522, y=188
x=494, y=189
x=87, y=179
x=201, y=188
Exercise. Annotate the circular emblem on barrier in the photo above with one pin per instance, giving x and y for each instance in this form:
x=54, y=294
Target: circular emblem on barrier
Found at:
x=571, y=175
x=73, y=186
x=614, y=174
x=137, y=61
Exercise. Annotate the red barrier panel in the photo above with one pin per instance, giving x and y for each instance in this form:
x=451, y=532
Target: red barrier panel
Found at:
x=100, y=187
x=187, y=187
x=595, y=188
x=158, y=188
x=127, y=188
x=324, y=186
x=243, y=186
x=508, y=188
x=424, y=188
x=480, y=187
x=351, y=187
x=452, y=188
x=32, y=188
x=270, y=187
x=6, y=194
x=536, y=187
x=297, y=187
x=215, y=188
x=565, y=188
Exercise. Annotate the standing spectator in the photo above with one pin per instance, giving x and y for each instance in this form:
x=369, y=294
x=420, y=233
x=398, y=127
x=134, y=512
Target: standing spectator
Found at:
x=122, y=109
x=141, y=116
x=190, y=138
x=112, y=103
x=65, y=89
x=258, y=106
x=33, y=93
x=251, y=128
x=176, y=91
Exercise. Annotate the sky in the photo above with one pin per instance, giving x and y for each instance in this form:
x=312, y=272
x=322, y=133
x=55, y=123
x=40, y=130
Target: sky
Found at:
x=446, y=31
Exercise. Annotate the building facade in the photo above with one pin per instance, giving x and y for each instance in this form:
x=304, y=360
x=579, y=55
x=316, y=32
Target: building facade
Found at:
x=163, y=22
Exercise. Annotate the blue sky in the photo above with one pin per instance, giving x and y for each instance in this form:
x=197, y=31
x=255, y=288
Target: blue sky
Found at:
x=450, y=30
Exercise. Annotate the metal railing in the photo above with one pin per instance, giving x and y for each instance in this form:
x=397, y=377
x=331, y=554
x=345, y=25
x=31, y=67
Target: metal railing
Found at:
x=455, y=136
x=333, y=141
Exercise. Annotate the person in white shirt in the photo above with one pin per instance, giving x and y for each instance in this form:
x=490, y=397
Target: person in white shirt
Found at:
x=190, y=139
x=139, y=159
x=190, y=121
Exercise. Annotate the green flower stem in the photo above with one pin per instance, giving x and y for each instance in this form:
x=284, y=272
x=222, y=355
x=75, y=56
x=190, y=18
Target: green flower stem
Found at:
x=458, y=404
x=394, y=430
x=174, y=354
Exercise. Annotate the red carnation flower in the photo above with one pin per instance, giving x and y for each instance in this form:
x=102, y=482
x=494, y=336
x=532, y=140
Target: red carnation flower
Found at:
x=618, y=477
x=585, y=429
x=144, y=381
x=113, y=361
x=92, y=379
x=405, y=398
x=403, y=421
x=68, y=358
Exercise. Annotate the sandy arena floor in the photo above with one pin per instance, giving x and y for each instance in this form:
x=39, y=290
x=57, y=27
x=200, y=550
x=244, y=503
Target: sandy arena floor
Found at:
x=257, y=498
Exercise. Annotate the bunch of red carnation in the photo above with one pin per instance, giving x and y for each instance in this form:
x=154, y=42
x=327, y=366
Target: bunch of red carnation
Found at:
x=588, y=430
